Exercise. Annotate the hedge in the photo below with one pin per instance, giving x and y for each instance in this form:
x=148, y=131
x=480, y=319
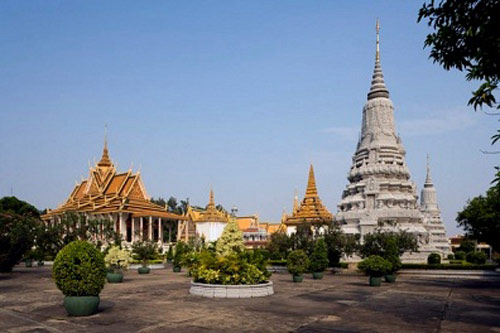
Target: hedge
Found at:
x=488, y=267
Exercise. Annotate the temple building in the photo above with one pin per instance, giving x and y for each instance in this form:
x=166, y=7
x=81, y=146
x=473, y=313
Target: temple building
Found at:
x=432, y=215
x=380, y=193
x=310, y=210
x=256, y=234
x=205, y=223
x=119, y=197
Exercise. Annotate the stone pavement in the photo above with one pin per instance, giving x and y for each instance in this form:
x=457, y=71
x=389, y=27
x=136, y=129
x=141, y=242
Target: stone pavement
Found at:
x=160, y=302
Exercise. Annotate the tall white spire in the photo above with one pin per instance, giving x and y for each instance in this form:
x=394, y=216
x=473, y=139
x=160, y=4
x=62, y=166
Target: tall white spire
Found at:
x=378, y=88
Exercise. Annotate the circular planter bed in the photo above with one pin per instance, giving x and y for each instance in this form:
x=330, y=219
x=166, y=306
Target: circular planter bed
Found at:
x=151, y=266
x=226, y=291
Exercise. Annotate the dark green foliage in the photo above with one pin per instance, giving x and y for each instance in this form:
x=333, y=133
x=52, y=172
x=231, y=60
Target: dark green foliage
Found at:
x=79, y=269
x=18, y=223
x=461, y=266
x=467, y=246
x=181, y=248
x=170, y=253
x=476, y=257
x=466, y=37
x=279, y=246
x=339, y=243
x=434, y=258
x=456, y=262
x=460, y=255
x=388, y=243
x=297, y=262
x=319, y=258
x=15, y=206
x=280, y=262
x=480, y=218
x=375, y=266
x=145, y=251
x=451, y=257
x=302, y=239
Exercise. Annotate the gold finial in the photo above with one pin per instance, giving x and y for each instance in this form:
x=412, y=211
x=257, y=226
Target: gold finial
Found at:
x=105, y=161
x=311, y=183
x=211, y=198
x=377, y=55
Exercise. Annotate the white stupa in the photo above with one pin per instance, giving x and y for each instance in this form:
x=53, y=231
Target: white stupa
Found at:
x=380, y=193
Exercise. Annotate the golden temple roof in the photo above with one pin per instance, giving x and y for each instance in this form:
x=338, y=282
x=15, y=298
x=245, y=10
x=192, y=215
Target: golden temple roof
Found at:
x=105, y=191
x=310, y=210
x=210, y=214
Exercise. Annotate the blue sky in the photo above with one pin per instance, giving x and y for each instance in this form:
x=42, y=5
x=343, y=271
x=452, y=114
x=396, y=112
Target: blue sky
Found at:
x=241, y=95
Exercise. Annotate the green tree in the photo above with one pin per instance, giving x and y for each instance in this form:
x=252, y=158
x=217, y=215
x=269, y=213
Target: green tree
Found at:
x=18, y=224
x=466, y=38
x=303, y=238
x=387, y=243
x=339, y=243
x=319, y=257
x=19, y=207
x=279, y=245
x=480, y=218
x=231, y=239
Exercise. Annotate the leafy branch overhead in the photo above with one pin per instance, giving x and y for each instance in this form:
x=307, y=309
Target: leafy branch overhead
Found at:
x=466, y=38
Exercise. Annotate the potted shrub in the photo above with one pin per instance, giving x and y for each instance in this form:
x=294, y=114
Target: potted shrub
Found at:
x=170, y=254
x=297, y=264
x=390, y=275
x=116, y=261
x=375, y=267
x=144, y=251
x=177, y=260
x=433, y=259
x=80, y=273
x=319, y=259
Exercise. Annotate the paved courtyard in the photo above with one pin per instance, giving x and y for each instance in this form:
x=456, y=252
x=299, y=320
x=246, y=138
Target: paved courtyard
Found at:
x=159, y=302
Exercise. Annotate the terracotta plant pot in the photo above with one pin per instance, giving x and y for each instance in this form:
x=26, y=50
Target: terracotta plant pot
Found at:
x=143, y=270
x=390, y=278
x=375, y=281
x=81, y=305
x=114, y=277
x=298, y=277
x=317, y=275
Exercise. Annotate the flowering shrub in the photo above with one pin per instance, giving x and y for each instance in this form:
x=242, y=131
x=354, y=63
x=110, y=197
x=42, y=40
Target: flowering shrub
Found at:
x=117, y=259
x=247, y=267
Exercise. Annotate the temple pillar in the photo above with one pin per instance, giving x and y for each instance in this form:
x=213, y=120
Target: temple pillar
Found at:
x=122, y=227
x=132, y=223
x=160, y=232
x=141, y=230
x=170, y=232
x=150, y=229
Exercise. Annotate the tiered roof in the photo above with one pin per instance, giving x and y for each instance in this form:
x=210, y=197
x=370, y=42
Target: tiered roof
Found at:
x=210, y=214
x=106, y=191
x=311, y=209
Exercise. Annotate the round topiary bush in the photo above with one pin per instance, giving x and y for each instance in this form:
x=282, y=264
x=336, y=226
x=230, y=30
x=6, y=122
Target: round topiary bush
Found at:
x=434, y=258
x=79, y=270
x=460, y=255
x=476, y=257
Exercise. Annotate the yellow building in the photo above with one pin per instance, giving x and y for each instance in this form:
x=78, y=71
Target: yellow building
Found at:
x=119, y=197
x=310, y=210
x=256, y=234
